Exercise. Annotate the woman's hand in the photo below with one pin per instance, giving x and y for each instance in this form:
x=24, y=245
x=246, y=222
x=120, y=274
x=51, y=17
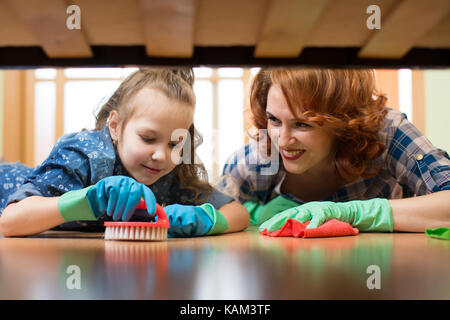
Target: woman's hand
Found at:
x=366, y=215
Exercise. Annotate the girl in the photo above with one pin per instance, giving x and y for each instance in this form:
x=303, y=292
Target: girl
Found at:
x=92, y=176
x=343, y=155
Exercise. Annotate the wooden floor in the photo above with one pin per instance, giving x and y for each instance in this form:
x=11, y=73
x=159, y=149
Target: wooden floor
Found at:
x=242, y=265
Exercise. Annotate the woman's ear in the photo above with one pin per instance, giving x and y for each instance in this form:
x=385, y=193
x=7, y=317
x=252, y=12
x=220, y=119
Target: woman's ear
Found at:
x=114, y=125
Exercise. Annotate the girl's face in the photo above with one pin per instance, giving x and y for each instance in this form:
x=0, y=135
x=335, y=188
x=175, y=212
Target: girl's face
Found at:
x=305, y=147
x=145, y=145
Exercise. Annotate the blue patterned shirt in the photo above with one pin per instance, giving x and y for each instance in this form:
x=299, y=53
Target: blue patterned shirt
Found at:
x=79, y=160
x=410, y=165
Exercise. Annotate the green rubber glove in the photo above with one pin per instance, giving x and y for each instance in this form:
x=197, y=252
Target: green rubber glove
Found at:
x=439, y=233
x=262, y=212
x=74, y=205
x=220, y=224
x=366, y=215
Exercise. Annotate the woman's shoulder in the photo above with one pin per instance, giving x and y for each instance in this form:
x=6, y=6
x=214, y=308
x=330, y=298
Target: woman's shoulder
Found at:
x=253, y=157
x=394, y=119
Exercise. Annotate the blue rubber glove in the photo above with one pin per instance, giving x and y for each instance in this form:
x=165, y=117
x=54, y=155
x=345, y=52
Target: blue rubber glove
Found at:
x=116, y=196
x=187, y=221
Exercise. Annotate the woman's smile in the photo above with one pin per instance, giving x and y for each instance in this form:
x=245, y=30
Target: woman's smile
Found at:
x=292, y=154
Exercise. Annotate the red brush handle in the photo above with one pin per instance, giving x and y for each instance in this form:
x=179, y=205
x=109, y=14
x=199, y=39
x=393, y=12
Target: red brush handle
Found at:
x=160, y=213
x=162, y=222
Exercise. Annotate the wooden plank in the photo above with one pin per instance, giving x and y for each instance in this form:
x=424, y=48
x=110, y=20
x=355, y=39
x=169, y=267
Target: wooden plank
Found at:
x=18, y=34
x=343, y=24
x=169, y=27
x=46, y=19
x=409, y=22
x=229, y=23
x=287, y=27
x=112, y=22
x=438, y=37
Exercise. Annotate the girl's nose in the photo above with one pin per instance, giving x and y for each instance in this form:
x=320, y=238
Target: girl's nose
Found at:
x=160, y=154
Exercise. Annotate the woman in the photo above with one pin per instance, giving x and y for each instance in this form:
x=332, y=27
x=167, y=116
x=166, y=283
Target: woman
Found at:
x=343, y=155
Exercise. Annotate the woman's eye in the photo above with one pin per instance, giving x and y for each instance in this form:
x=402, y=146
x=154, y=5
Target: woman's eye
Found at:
x=302, y=125
x=273, y=119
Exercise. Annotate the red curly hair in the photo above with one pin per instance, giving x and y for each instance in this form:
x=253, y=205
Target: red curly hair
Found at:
x=344, y=101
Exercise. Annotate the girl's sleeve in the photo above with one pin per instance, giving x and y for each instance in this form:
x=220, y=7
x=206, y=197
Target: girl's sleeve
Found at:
x=75, y=162
x=416, y=164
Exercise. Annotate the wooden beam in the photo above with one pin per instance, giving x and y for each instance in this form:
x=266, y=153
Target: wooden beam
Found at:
x=409, y=22
x=169, y=27
x=287, y=27
x=418, y=100
x=46, y=19
x=13, y=115
x=387, y=83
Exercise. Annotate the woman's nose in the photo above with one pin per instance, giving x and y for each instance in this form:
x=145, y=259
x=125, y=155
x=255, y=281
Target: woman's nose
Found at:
x=285, y=137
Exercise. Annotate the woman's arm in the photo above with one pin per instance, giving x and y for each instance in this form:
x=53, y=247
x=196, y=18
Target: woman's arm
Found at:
x=29, y=216
x=419, y=213
x=236, y=215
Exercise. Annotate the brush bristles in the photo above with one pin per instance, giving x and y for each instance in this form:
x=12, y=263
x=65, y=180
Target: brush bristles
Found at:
x=135, y=233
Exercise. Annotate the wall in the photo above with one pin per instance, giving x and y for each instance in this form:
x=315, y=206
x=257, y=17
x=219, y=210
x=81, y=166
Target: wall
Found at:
x=437, y=107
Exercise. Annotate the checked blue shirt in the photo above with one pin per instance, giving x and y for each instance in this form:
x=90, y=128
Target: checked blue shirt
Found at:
x=410, y=165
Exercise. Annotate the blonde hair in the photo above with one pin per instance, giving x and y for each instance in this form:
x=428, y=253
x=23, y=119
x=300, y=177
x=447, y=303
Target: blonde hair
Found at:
x=176, y=84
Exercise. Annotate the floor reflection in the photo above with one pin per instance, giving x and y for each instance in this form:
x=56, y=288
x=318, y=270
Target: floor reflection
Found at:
x=243, y=265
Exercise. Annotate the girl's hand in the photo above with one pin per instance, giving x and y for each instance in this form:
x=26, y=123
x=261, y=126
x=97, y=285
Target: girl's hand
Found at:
x=118, y=196
x=187, y=221
x=366, y=215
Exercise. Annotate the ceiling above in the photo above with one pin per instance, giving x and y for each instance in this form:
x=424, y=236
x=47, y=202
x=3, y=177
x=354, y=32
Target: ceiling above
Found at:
x=414, y=33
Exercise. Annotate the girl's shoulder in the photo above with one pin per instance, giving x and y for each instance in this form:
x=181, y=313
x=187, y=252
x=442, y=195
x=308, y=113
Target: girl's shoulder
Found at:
x=86, y=137
x=86, y=142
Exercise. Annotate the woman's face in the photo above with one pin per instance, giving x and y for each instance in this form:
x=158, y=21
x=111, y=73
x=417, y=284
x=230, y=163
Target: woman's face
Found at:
x=149, y=145
x=305, y=147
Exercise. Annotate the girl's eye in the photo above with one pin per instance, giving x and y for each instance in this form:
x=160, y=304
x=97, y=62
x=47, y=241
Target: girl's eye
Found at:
x=147, y=140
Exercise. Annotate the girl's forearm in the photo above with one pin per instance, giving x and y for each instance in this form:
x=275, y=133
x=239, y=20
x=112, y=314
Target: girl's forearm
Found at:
x=236, y=215
x=30, y=216
x=419, y=213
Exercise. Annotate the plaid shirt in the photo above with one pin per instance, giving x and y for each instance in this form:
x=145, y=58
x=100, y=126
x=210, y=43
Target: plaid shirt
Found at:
x=410, y=165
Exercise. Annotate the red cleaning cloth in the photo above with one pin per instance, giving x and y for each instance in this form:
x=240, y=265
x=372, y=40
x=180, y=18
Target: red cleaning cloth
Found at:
x=331, y=228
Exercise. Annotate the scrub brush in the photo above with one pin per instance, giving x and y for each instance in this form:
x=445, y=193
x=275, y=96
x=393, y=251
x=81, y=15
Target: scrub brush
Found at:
x=138, y=230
